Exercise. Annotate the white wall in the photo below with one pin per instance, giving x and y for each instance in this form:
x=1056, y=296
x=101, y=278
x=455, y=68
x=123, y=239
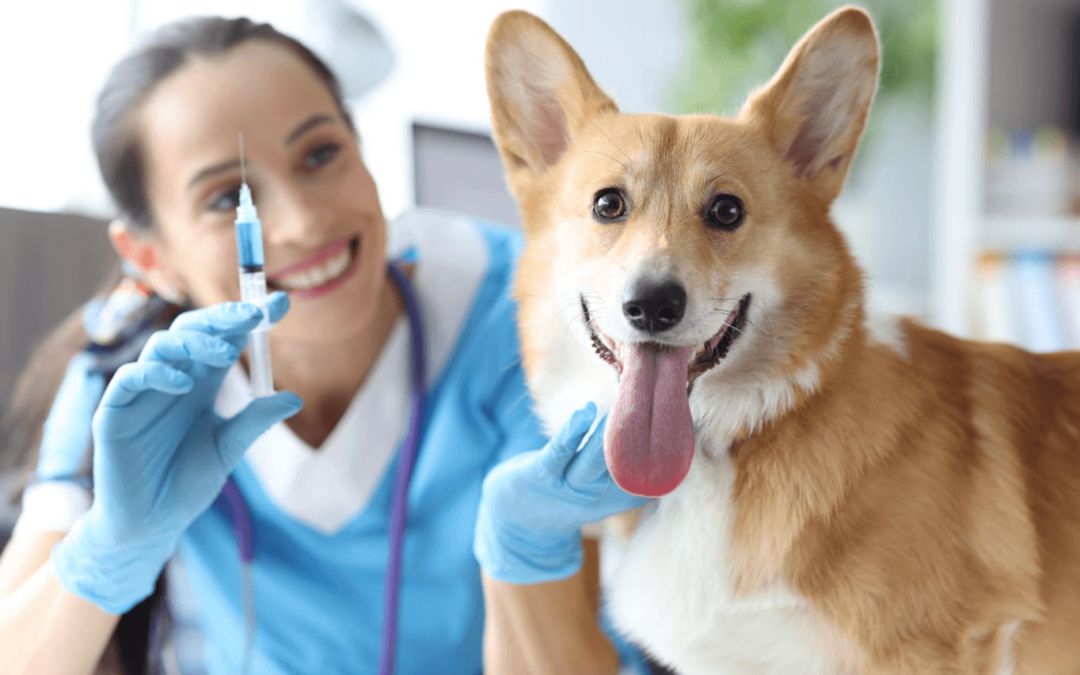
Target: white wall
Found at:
x=53, y=57
x=631, y=47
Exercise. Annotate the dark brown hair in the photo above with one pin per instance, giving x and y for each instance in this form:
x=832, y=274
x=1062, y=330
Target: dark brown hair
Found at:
x=120, y=159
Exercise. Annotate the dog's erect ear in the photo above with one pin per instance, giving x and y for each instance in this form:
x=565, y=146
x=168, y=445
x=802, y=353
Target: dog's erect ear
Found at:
x=815, y=108
x=541, y=94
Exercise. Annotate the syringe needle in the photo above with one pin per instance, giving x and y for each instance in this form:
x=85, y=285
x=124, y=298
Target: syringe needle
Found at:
x=243, y=173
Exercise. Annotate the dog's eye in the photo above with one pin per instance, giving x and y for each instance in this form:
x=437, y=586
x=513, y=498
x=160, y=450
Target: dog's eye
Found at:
x=725, y=212
x=609, y=205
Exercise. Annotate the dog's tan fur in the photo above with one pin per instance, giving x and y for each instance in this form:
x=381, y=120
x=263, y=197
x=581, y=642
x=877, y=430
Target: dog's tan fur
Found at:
x=919, y=492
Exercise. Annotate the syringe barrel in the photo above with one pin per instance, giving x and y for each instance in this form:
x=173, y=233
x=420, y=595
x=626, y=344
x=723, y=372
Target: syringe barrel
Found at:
x=253, y=290
x=249, y=242
x=259, y=367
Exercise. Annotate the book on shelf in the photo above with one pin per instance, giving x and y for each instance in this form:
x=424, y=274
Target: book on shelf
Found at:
x=1069, y=284
x=1030, y=299
x=995, y=309
x=1036, y=288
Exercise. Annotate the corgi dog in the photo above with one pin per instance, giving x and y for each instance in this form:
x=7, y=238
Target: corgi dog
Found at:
x=835, y=492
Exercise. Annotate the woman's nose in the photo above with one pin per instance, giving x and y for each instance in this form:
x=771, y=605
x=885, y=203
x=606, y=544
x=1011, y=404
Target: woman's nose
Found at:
x=294, y=217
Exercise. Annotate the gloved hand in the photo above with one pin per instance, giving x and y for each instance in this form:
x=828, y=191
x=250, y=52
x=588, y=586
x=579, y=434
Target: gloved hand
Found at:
x=161, y=454
x=532, y=507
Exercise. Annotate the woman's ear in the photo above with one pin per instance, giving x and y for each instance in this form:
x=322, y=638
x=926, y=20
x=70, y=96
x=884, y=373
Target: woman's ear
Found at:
x=144, y=254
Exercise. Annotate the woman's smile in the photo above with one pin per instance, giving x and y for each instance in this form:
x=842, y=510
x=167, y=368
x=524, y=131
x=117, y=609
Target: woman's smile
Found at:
x=320, y=273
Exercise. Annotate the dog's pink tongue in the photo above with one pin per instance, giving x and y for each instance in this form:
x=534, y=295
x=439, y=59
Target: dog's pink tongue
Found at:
x=649, y=440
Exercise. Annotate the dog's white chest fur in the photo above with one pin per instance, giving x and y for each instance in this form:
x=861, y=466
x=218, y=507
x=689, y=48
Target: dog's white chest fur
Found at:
x=669, y=589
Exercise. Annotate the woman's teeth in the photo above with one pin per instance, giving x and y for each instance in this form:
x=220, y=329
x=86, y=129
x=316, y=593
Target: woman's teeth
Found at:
x=318, y=276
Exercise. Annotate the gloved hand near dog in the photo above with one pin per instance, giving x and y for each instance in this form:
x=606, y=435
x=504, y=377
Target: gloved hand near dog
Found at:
x=533, y=505
x=161, y=454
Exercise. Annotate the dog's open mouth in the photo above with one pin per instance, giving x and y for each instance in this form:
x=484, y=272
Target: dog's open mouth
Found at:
x=649, y=439
x=710, y=354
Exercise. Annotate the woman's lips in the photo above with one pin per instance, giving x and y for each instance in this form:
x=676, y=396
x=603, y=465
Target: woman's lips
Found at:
x=322, y=272
x=320, y=257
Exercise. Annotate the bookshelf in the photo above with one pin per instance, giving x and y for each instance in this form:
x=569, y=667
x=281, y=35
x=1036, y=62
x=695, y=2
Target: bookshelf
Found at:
x=1005, y=64
x=1009, y=234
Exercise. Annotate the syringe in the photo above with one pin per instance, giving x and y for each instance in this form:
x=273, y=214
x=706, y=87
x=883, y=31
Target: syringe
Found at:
x=249, y=245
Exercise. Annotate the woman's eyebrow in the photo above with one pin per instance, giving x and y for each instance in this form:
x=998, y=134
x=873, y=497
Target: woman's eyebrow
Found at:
x=228, y=165
x=307, y=125
x=211, y=171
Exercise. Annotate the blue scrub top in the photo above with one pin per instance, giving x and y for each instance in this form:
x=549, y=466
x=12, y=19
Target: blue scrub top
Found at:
x=319, y=597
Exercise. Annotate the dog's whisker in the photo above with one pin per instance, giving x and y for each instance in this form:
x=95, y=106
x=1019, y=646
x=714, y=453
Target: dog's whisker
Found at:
x=604, y=154
x=601, y=130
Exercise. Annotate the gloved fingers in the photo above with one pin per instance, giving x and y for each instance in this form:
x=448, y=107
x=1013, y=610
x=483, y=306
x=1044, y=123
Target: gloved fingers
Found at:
x=277, y=304
x=230, y=318
x=178, y=347
x=225, y=320
x=133, y=379
x=236, y=435
x=560, y=450
x=589, y=465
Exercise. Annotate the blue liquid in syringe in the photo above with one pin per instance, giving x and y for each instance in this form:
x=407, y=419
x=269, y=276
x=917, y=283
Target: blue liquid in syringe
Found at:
x=248, y=234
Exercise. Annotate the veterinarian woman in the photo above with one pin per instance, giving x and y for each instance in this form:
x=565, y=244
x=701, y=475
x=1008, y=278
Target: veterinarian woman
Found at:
x=316, y=477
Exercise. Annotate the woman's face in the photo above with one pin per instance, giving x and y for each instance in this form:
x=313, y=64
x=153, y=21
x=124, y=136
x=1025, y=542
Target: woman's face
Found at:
x=323, y=229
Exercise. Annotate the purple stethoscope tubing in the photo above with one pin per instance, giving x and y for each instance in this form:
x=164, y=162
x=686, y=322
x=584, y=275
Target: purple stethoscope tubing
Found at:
x=399, y=497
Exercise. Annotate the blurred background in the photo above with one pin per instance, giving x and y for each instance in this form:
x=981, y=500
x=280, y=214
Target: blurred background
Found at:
x=961, y=206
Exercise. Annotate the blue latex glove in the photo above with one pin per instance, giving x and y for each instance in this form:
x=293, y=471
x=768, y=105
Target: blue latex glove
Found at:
x=161, y=454
x=528, y=529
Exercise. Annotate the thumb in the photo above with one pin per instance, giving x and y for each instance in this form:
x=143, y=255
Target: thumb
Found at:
x=558, y=453
x=237, y=434
x=589, y=464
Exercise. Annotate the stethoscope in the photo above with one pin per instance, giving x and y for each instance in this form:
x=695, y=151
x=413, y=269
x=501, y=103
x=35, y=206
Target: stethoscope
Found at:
x=399, y=505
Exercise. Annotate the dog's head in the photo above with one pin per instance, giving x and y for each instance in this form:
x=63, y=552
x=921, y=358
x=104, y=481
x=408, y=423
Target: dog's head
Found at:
x=692, y=254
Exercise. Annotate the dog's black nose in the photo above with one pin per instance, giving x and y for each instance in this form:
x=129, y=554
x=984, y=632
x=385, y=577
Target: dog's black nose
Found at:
x=654, y=307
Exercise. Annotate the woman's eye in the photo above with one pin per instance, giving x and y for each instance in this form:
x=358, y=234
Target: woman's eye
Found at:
x=609, y=205
x=322, y=155
x=225, y=200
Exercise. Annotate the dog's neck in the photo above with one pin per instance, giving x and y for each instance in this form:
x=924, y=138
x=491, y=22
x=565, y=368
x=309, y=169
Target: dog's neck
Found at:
x=795, y=461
